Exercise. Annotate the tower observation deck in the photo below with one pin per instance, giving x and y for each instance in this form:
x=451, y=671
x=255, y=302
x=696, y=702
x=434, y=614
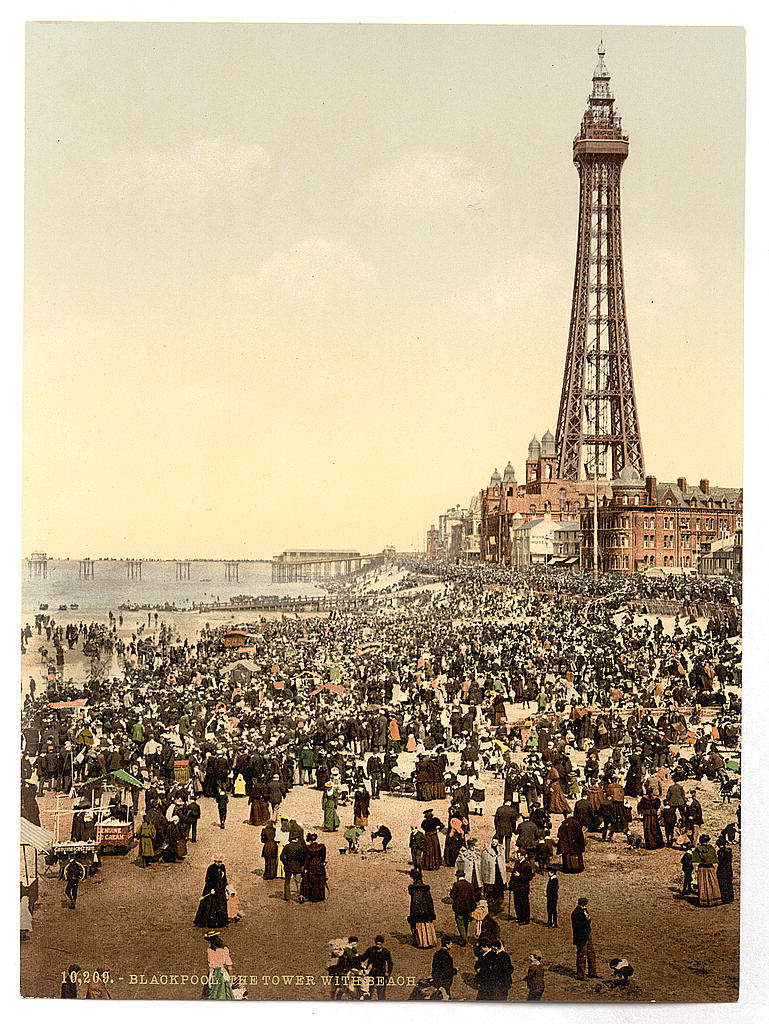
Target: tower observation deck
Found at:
x=598, y=432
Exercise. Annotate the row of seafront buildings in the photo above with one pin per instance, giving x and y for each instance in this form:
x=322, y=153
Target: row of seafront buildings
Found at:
x=641, y=523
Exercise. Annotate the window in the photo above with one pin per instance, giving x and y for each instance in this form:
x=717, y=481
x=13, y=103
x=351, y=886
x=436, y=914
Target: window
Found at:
x=665, y=560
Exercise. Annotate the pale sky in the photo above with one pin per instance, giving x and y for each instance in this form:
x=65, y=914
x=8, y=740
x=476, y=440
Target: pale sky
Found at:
x=308, y=285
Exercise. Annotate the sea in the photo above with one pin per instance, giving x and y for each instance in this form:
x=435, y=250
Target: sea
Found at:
x=113, y=585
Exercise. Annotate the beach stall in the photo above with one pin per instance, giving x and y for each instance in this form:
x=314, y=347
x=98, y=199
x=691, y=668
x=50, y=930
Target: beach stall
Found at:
x=111, y=805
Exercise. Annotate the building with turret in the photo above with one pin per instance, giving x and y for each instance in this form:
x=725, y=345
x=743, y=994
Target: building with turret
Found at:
x=506, y=504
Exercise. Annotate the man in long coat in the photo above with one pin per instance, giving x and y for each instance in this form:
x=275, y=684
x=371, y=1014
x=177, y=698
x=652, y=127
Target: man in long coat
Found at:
x=571, y=845
x=493, y=874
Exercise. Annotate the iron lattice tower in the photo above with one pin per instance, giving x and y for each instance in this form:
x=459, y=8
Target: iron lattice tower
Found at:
x=598, y=433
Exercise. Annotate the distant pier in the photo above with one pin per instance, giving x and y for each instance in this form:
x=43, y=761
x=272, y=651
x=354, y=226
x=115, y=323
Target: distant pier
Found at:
x=301, y=566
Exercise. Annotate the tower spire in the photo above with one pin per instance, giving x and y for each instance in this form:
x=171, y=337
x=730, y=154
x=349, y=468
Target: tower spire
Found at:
x=598, y=433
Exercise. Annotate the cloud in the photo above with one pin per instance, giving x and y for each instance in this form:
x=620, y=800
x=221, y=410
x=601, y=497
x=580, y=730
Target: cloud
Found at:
x=519, y=287
x=677, y=268
x=430, y=181
x=206, y=166
x=314, y=273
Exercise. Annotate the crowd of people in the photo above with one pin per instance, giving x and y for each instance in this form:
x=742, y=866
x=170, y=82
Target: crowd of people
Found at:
x=591, y=716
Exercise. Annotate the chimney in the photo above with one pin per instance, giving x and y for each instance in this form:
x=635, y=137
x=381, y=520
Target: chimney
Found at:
x=705, y=486
x=651, y=489
x=682, y=484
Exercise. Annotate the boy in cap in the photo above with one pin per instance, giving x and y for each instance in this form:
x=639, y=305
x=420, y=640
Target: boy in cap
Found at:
x=535, y=976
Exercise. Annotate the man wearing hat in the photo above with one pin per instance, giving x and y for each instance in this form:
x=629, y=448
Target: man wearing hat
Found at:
x=292, y=857
x=417, y=846
x=582, y=938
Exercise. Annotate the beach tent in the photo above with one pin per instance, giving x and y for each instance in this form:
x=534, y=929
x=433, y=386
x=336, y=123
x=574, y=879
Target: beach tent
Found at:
x=240, y=672
x=38, y=838
x=34, y=840
x=242, y=663
x=235, y=637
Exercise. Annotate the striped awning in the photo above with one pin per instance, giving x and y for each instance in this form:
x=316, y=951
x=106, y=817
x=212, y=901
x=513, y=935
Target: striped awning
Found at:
x=34, y=835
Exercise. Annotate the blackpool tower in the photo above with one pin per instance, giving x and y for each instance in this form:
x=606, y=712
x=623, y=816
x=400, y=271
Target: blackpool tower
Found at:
x=598, y=434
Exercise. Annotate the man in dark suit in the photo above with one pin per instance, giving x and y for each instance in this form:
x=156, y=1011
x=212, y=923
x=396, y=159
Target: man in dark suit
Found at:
x=676, y=798
x=462, y=903
x=582, y=938
x=694, y=817
x=374, y=769
x=520, y=885
x=505, y=818
x=443, y=969
x=293, y=857
x=551, y=895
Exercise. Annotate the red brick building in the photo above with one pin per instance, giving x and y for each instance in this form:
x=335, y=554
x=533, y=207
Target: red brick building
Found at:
x=643, y=524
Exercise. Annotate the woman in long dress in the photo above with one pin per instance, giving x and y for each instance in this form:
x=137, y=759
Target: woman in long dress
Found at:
x=649, y=809
x=421, y=913
x=432, y=858
x=557, y=803
x=571, y=846
x=219, y=984
x=361, y=806
x=329, y=803
x=455, y=837
x=212, y=909
x=260, y=806
x=313, y=887
x=705, y=857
